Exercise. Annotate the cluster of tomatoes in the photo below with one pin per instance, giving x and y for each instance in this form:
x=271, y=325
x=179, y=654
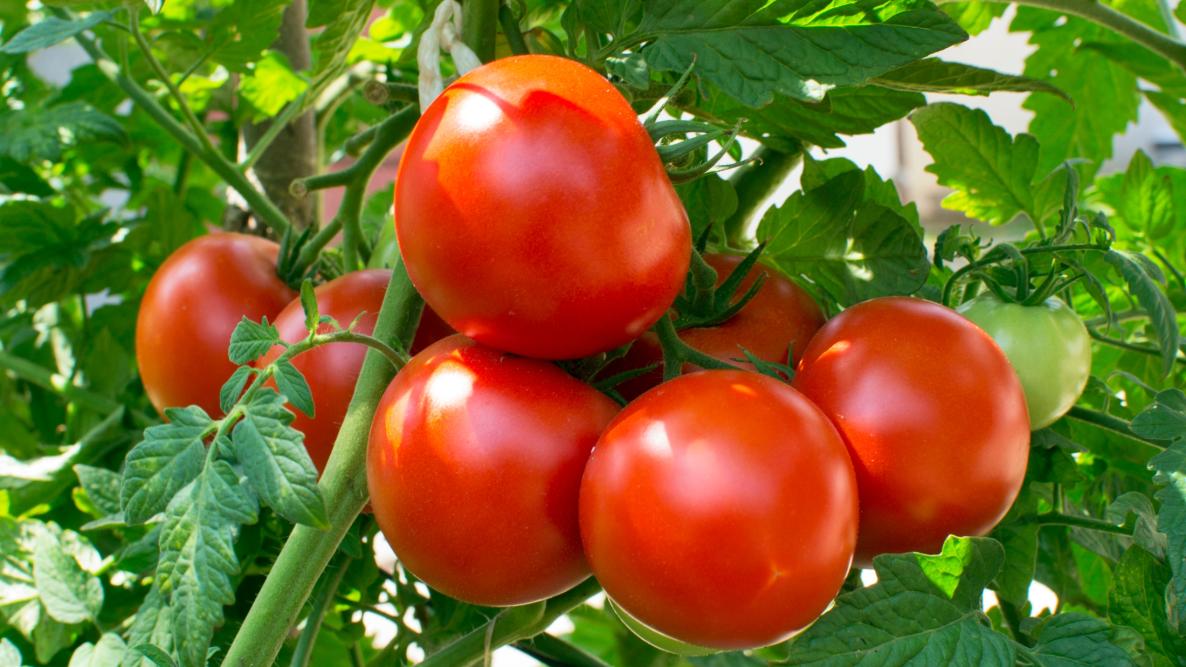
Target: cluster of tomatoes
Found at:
x=723, y=508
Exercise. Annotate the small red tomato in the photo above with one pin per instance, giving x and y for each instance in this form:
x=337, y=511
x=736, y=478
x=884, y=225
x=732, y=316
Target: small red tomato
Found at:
x=534, y=214
x=332, y=370
x=781, y=317
x=720, y=509
x=190, y=308
x=474, y=468
x=933, y=415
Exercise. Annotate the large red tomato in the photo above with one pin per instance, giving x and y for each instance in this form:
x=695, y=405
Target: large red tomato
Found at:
x=332, y=370
x=474, y=468
x=720, y=509
x=933, y=415
x=192, y=305
x=534, y=214
x=781, y=317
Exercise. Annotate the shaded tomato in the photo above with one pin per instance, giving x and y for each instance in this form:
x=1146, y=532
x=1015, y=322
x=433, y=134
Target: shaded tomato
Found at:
x=332, y=370
x=933, y=416
x=781, y=317
x=534, y=214
x=190, y=308
x=474, y=467
x=720, y=509
x=1048, y=346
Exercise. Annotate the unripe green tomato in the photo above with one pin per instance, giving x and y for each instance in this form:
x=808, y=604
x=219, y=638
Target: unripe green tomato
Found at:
x=655, y=638
x=1048, y=346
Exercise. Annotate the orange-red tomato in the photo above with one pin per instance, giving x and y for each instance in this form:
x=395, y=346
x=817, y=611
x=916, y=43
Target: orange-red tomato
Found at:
x=781, y=317
x=720, y=509
x=332, y=370
x=192, y=305
x=474, y=467
x=933, y=415
x=534, y=214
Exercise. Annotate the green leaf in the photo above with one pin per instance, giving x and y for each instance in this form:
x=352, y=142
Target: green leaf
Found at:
x=169, y=458
x=1138, y=601
x=102, y=487
x=273, y=456
x=70, y=593
x=18, y=177
x=1075, y=640
x=852, y=248
x=232, y=389
x=251, y=340
x=923, y=610
x=1138, y=508
x=974, y=16
x=309, y=306
x=333, y=44
x=155, y=655
x=271, y=85
x=241, y=32
x=51, y=30
x=152, y=628
x=21, y=607
x=991, y=173
x=1170, y=471
x=932, y=75
x=29, y=137
x=10, y=655
x=709, y=201
x=1173, y=108
x=818, y=172
x=1154, y=302
x=294, y=387
x=198, y=557
x=746, y=52
x=1165, y=418
x=108, y=652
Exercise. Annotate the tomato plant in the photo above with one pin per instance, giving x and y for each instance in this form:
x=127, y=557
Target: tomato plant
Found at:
x=192, y=304
x=505, y=179
x=1048, y=347
x=474, y=466
x=922, y=397
x=729, y=532
x=564, y=158
x=332, y=370
x=774, y=325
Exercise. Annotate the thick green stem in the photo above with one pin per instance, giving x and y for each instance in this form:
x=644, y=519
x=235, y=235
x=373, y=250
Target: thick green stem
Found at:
x=556, y=651
x=510, y=29
x=479, y=22
x=1097, y=12
x=188, y=114
x=509, y=626
x=1056, y=519
x=259, y=203
x=1114, y=424
x=754, y=186
x=308, y=550
x=676, y=352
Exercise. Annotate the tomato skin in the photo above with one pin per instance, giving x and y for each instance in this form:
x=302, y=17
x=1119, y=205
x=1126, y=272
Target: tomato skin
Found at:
x=782, y=316
x=720, y=509
x=332, y=370
x=506, y=180
x=933, y=416
x=1048, y=346
x=474, y=467
x=190, y=308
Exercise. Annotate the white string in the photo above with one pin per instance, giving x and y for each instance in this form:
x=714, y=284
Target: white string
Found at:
x=443, y=33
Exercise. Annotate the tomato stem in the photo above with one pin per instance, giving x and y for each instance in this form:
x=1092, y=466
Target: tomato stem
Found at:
x=754, y=186
x=1131, y=347
x=510, y=28
x=321, y=603
x=1114, y=424
x=1090, y=523
x=510, y=625
x=308, y=550
x=676, y=352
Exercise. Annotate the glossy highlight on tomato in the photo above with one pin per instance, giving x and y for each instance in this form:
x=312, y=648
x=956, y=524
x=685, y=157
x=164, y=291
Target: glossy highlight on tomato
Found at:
x=780, y=318
x=534, y=214
x=474, y=466
x=192, y=304
x=1048, y=346
x=332, y=370
x=933, y=416
x=720, y=509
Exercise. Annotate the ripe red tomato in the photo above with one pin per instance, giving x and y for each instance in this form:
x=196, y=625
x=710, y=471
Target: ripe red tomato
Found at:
x=782, y=316
x=933, y=415
x=192, y=305
x=534, y=214
x=720, y=509
x=474, y=467
x=333, y=369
